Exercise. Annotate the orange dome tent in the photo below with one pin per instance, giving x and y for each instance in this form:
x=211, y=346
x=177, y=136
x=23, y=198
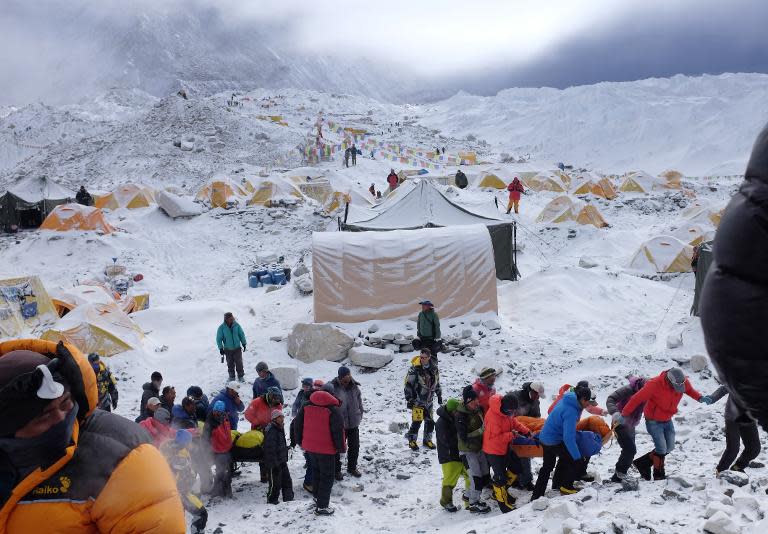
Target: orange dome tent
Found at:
x=76, y=217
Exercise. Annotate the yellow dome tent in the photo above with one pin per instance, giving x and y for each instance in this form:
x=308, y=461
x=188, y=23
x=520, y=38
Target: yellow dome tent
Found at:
x=491, y=179
x=336, y=201
x=130, y=196
x=76, y=217
x=220, y=193
x=641, y=182
x=24, y=304
x=563, y=209
x=672, y=178
x=663, y=254
x=101, y=328
x=691, y=233
x=546, y=181
x=702, y=213
x=591, y=183
x=274, y=191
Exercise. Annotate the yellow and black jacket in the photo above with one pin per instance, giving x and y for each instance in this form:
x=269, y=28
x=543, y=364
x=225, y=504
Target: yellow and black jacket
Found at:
x=110, y=479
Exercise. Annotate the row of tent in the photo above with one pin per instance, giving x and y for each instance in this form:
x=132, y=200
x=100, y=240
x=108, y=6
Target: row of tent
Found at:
x=88, y=316
x=582, y=184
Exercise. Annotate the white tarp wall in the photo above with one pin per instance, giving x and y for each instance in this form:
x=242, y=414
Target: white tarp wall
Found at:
x=360, y=276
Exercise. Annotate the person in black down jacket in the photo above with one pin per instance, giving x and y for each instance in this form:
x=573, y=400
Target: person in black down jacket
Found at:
x=275, y=451
x=448, y=454
x=739, y=426
x=733, y=302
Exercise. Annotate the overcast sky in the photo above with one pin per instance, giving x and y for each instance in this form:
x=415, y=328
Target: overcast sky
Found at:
x=481, y=46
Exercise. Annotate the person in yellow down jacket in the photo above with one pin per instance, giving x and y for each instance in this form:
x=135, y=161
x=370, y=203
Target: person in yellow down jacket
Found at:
x=66, y=467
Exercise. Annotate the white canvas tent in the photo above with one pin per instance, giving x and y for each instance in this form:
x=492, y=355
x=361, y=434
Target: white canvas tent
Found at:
x=424, y=206
x=176, y=205
x=360, y=276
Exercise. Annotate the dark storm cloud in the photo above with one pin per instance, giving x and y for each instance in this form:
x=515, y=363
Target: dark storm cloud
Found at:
x=708, y=38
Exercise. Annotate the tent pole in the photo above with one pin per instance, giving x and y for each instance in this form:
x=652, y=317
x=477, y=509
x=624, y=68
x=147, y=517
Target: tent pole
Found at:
x=346, y=212
x=514, y=251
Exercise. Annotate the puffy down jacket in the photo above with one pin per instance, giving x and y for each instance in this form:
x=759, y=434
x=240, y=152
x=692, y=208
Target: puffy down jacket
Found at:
x=733, y=301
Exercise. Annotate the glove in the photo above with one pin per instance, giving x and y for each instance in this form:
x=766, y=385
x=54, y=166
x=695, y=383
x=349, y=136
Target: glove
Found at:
x=410, y=405
x=221, y=351
x=706, y=399
x=617, y=419
x=243, y=348
x=440, y=400
x=114, y=405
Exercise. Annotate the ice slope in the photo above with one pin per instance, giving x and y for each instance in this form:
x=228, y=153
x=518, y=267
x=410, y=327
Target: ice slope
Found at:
x=699, y=125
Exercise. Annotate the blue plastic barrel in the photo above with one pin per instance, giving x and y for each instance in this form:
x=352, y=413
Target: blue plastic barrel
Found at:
x=266, y=279
x=253, y=281
x=278, y=278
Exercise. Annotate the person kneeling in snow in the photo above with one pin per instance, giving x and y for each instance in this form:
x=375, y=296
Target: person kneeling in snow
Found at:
x=275, y=451
x=661, y=396
x=448, y=454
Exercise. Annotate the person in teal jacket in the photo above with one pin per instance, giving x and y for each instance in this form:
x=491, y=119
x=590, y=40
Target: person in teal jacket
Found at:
x=428, y=328
x=558, y=439
x=229, y=337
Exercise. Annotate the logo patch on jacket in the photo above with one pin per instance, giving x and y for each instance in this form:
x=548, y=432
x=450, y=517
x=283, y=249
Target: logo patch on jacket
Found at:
x=53, y=489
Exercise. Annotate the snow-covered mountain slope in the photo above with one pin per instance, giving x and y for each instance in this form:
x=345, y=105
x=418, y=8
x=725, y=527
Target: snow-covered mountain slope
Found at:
x=700, y=125
x=160, y=46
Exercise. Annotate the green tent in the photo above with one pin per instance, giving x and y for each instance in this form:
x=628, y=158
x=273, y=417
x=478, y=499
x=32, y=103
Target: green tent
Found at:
x=703, y=259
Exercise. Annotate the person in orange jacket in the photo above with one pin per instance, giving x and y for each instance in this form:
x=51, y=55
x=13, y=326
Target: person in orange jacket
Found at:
x=515, y=188
x=501, y=427
x=594, y=409
x=58, y=475
x=661, y=395
x=259, y=414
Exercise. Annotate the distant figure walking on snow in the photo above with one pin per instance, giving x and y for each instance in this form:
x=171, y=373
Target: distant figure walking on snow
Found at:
x=392, y=180
x=354, y=154
x=346, y=158
x=515, y=189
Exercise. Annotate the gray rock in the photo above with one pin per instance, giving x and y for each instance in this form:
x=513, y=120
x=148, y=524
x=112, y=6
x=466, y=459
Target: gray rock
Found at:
x=374, y=340
x=406, y=348
x=373, y=328
x=465, y=343
x=369, y=357
x=409, y=326
x=735, y=478
x=492, y=324
x=699, y=362
x=587, y=263
x=388, y=337
x=675, y=340
x=304, y=284
x=680, y=481
x=475, y=323
x=272, y=288
x=571, y=525
x=466, y=333
x=357, y=488
x=310, y=342
x=721, y=523
x=287, y=375
x=392, y=347
x=630, y=484
x=468, y=352
x=300, y=270
x=187, y=146
x=669, y=494
x=475, y=342
x=540, y=504
x=402, y=341
x=397, y=427
x=402, y=476
x=276, y=339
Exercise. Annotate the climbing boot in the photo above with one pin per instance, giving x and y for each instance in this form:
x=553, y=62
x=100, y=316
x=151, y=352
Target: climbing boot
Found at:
x=428, y=444
x=446, y=499
x=564, y=490
x=737, y=467
x=511, y=477
x=506, y=503
x=644, y=464
x=479, y=508
x=413, y=445
x=658, y=466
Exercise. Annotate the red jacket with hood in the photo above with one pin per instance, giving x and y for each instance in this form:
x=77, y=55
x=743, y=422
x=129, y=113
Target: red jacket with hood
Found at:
x=660, y=397
x=500, y=429
x=484, y=393
x=320, y=425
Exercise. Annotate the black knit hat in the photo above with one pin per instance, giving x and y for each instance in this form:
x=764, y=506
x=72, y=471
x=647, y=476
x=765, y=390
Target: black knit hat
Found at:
x=468, y=395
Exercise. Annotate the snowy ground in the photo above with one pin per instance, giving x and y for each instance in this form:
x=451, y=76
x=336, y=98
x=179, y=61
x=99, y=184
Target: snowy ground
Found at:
x=561, y=323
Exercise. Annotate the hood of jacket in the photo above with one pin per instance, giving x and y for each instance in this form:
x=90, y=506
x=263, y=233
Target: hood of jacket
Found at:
x=148, y=386
x=636, y=383
x=442, y=411
x=570, y=400
x=323, y=398
x=494, y=405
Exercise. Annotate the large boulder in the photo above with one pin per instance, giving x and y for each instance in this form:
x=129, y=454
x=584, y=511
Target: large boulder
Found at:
x=370, y=357
x=287, y=375
x=310, y=342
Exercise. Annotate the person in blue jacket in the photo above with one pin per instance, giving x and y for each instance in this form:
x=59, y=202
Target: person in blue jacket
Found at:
x=229, y=337
x=183, y=415
x=264, y=380
x=201, y=401
x=230, y=396
x=558, y=439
